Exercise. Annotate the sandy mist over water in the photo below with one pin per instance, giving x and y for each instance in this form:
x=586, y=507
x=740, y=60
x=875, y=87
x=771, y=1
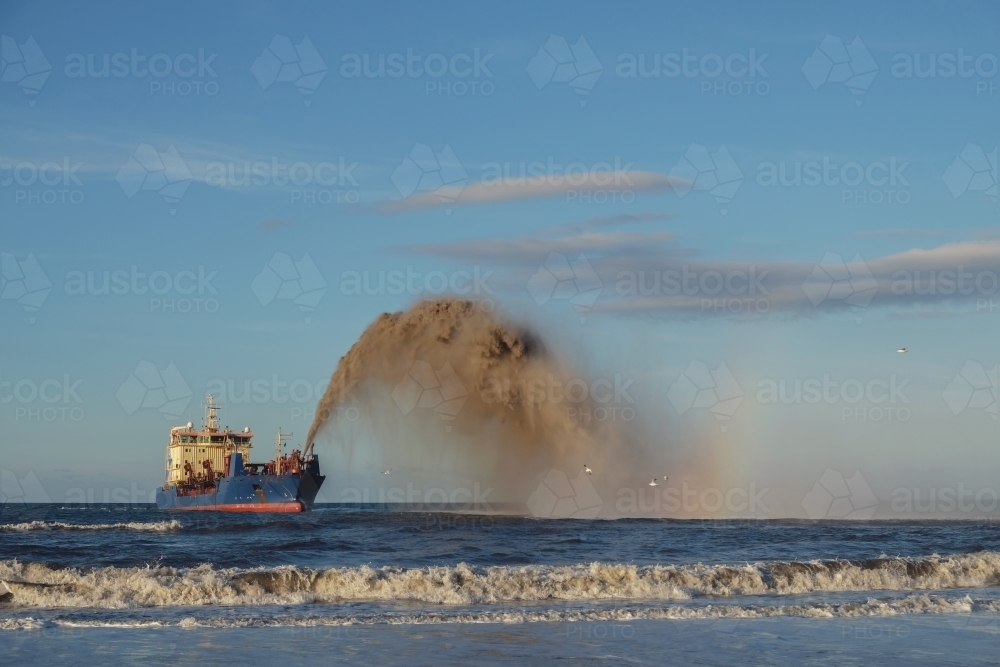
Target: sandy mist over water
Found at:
x=447, y=388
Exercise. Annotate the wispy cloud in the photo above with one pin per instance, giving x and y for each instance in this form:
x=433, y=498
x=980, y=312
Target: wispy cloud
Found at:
x=527, y=250
x=647, y=273
x=990, y=234
x=504, y=190
x=932, y=314
x=896, y=233
x=101, y=151
x=951, y=273
x=611, y=221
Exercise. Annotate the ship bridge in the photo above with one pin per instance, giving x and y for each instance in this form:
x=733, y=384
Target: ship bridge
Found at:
x=206, y=449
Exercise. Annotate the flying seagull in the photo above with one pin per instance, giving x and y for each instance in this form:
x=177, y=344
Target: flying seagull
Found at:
x=653, y=483
x=587, y=470
x=387, y=472
x=901, y=350
x=665, y=479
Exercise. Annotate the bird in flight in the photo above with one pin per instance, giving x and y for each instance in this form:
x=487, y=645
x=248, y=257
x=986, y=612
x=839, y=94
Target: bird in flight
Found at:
x=653, y=483
x=901, y=350
x=388, y=471
x=665, y=479
x=587, y=470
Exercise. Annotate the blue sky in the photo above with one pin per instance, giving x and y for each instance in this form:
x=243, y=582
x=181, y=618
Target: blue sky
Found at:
x=673, y=170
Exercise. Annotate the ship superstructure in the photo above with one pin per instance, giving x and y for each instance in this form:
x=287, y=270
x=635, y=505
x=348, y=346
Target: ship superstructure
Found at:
x=209, y=469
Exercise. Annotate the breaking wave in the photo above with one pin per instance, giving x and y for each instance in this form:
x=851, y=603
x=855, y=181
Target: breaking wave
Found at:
x=39, y=585
x=912, y=604
x=152, y=527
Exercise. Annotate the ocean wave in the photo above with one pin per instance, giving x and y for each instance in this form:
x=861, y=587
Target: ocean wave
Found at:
x=985, y=610
x=154, y=527
x=42, y=585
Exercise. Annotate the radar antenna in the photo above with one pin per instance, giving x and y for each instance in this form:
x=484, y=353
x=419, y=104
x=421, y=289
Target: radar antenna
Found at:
x=211, y=422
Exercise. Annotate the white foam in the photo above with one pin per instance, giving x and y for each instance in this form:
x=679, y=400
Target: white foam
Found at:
x=155, y=586
x=20, y=624
x=912, y=604
x=154, y=527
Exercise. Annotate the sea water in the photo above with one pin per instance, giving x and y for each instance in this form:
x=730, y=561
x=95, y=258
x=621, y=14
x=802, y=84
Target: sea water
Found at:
x=126, y=585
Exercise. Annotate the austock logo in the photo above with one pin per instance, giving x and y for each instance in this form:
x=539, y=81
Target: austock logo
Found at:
x=559, y=497
x=585, y=400
x=559, y=62
x=284, y=279
x=733, y=291
x=980, y=67
x=424, y=387
x=875, y=182
x=433, y=499
x=14, y=491
x=872, y=400
x=574, y=281
x=738, y=501
x=835, y=62
x=731, y=75
x=977, y=617
x=283, y=62
x=327, y=182
x=459, y=75
x=833, y=497
x=48, y=400
x=945, y=500
x=974, y=387
x=25, y=282
x=301, y=395
x=600, y=182
x=715, y=173
x=52, y=182
x=181, y=75
x=184, y=291
x=149, y=170
x=24, y=64
x=425, y=171
x=149, y=387
x=470, y=284
x=699, y=387
x=974, y=170
x=834, y=279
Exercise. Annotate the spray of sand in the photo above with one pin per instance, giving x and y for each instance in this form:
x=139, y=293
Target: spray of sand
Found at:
x=467, y=386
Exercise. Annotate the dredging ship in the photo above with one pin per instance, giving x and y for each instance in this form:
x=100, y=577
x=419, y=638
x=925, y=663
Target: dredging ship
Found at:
x=209, y=469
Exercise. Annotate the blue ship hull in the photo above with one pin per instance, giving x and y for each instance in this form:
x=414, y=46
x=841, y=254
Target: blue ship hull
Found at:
x=292, y=492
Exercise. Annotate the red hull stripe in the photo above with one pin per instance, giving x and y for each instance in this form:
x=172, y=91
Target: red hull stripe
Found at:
x=294, y=506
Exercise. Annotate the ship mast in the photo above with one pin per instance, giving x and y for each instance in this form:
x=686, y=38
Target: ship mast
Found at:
x=211, y=422
x=278, y=442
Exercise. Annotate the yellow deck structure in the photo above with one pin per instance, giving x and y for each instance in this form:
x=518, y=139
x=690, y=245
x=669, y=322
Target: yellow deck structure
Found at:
x=209, y=443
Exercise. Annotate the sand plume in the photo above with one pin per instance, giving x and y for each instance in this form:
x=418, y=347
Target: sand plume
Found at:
x=469, y=388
